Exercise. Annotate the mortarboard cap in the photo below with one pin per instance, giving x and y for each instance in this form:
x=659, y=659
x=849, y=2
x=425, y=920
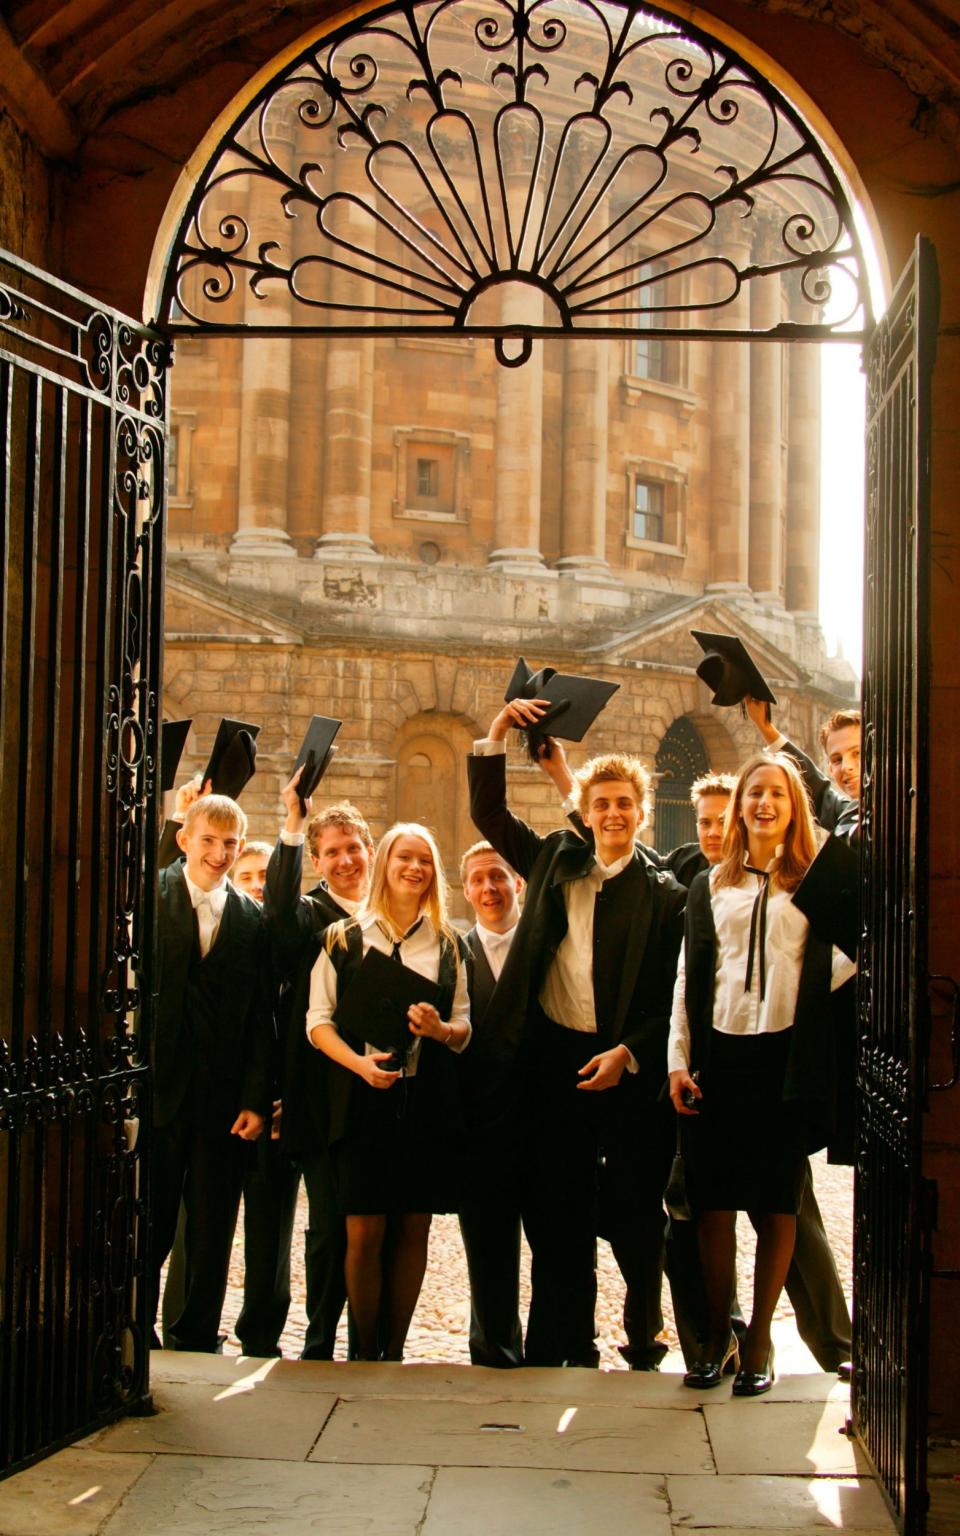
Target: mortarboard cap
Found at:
x=314, y=756
x=829, y=895
x=173, y=739
x=729, y=670
x=575, y=702
x=374, y=1005
x=233, y=759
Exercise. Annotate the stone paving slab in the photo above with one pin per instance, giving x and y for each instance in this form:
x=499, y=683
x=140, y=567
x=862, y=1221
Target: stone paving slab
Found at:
x=224, y=1421
x=202, y=1496
x=474, y=1501
x=469, y=1382
x=68, y=1494
x=587, y=1437
x=782, y=1504
x=480, y=1501
x=757, y=1435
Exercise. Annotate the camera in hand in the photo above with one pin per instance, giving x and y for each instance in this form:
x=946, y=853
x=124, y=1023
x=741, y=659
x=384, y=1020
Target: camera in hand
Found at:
x=688, y=1097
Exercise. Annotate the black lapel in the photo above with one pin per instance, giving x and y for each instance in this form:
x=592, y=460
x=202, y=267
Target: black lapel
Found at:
x=484, y=981
x=181, y=916
x=229, y=919
x=636, y=941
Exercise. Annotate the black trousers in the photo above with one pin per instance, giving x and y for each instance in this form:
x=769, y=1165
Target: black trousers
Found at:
x=325, y=1249
x=596, y=1165
x=490, y=1227
x=195, y=1159
x=269, y=1204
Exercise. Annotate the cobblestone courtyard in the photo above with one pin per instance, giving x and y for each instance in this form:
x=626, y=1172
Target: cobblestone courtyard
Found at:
x=440, y=1324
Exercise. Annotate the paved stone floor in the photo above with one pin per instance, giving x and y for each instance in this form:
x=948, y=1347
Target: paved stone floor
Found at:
x=440, y=1323
x=287, y=1447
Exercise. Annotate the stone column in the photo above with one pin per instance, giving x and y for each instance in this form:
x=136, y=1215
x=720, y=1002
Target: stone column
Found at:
x=519, y=442
x=766, y=444
x=803, y=480
x=584, y=505
x=348, y=418
x=265, y=380
x=519, y=431
x=730, y=448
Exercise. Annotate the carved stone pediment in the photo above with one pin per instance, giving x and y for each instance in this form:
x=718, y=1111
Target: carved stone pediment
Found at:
x=664, y=640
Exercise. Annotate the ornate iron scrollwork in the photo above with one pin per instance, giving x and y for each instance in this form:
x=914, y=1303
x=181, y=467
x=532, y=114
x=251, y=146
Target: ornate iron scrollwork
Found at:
x=517, y=168
x=82, y=400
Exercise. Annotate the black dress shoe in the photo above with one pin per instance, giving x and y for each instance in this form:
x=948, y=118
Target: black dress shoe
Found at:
x=753, y=1383
x=709, y=1373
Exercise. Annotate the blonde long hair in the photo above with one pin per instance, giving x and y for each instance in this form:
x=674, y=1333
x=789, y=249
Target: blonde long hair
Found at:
x=434, y=906
x=800, y=842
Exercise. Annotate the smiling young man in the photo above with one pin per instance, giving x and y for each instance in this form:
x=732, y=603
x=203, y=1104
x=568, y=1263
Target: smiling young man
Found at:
x=213, y=1059
x=340, y=849
x=595, y=955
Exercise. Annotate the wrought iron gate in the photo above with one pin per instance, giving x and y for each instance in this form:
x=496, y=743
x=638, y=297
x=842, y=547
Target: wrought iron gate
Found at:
x=81, y=491
x=892, y=1230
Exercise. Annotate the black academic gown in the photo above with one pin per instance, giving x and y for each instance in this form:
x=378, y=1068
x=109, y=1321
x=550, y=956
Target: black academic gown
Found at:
x=296, y=923
x=566, y=1130
x=213, y=1054
x=490, y=1209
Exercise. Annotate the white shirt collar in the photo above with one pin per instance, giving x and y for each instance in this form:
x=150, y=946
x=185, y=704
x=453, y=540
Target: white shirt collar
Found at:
x=349, y=906
x=492, y=940
x=607, y=871
x=217, y=897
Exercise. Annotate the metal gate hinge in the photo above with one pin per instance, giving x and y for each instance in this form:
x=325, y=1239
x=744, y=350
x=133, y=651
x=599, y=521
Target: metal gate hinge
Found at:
x=937, y=985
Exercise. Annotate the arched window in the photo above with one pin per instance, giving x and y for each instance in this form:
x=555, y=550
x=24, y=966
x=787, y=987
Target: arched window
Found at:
x=682, y=758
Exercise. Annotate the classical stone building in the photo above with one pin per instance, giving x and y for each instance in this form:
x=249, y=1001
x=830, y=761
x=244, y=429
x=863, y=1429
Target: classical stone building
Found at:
x=375, y=529
x=103, y=109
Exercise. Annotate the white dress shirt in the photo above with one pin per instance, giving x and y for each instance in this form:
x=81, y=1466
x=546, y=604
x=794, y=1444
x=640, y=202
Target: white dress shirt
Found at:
x=736, y=1011
x=420, y=950
x=208, y=905
x=566, y=996
x=496, y=946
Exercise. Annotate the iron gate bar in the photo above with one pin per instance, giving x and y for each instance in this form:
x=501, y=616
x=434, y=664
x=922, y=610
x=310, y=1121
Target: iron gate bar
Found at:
x=531, y=186
x=82, y=422
x=892, y=1217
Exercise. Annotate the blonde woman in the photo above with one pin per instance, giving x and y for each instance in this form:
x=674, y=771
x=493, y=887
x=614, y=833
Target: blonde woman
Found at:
x=394, y=1134
x=748, y=1054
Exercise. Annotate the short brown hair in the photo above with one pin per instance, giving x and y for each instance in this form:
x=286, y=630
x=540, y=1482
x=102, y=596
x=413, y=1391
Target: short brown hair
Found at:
x=712, y=784
x=342, y=814
x=838, y=722
x=220, y=811
x=258, y=848
x=609, y=768
x=473, y=851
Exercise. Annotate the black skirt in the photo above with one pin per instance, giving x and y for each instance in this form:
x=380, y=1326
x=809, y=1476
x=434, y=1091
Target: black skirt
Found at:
x=394, y=1157
x=746, y=1149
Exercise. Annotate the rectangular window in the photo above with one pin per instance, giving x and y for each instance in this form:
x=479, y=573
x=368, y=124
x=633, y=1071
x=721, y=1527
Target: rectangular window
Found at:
x=428, y=477
x=651, y=354
x=173, y=461
x=647, y=520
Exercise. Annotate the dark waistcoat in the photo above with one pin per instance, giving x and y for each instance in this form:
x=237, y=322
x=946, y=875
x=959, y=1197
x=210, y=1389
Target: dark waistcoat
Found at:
x=613, y=909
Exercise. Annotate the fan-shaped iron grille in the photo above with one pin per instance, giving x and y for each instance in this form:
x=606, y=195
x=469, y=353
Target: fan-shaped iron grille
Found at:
x=513, y=169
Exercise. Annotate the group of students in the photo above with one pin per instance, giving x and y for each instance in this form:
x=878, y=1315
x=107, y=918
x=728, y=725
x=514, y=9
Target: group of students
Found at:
x=604, y=995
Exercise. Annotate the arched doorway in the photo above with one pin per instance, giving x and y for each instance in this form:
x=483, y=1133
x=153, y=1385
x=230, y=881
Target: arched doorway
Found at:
x=129, y=790
x=681, y=760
